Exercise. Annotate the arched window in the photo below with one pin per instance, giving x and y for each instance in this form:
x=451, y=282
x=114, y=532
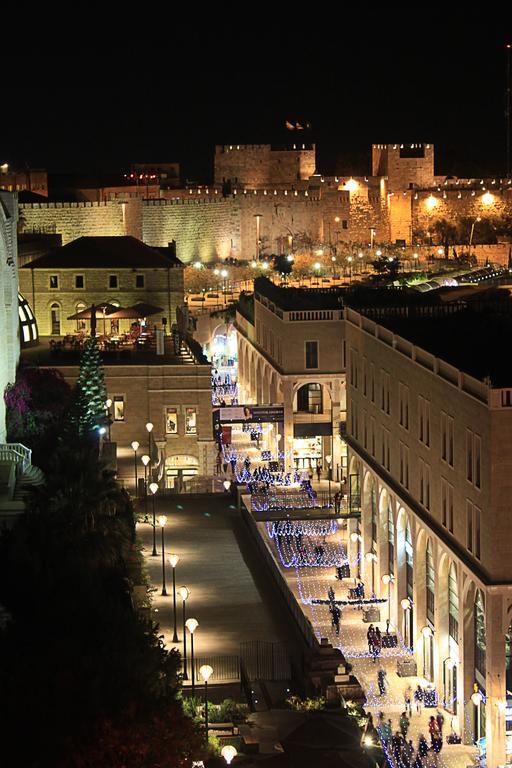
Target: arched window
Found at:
x=453, y=605
x=391, y=540
x=480, y=645
x=409, y=565
x=430, y=582
x=309, y=399
x=55, y=319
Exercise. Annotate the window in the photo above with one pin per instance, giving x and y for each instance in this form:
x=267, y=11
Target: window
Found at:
x=79, y=281
x=404, y=465
x=344, y=354
x=453, y=605
x=112, y=281
x=384, y=396
x=365, y=431
x=469, y=525
x=409, y=562
x=309, y=399
x=373, y=432
x=424, y=421
x=447, y=438
x=477, y=532
x=372, y=382
x=403, y=395
x=424, y=484
x=391, y=540
x=171, y=421
x=480, y=640
x=353, y=368
x=385, y=449
x=365, y=376
x=118, y=408
x=139, y=281
x=430, y=583
x=344, y=224
x=447, y=504
x=473, y=458
x=190, y=421
x=54, y=281
x=311, y=354
x=55, y=319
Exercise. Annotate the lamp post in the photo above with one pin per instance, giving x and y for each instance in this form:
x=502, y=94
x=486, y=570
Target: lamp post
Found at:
x=328, y=459
x=224, y=275
x=149, y=427
x=108, y=405
x=173, y=562
x=355, y=536
x=349, y=259
x=192, y=625
x=406, y=605
x=206, y=672
x=145, y=460
x=135, y=448
x=227, y=485
x=478, y=218
x=162, y=520
x=371, y=557
x=229, y=753
x=184, y=593
x=153, y=487
x=387, y=579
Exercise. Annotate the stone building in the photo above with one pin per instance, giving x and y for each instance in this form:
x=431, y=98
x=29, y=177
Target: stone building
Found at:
x=96, y=270
x=10, y=347
x=259, y=165
x=429, y=430
x=24, y=180
x=286, y=356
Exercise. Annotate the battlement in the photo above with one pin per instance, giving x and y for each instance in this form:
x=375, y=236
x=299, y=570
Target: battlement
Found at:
x=187, y=201
x=296, y=146
x=82, y=204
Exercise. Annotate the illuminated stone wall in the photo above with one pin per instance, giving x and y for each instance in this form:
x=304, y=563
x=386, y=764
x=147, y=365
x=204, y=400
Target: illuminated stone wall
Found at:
x=453, y=205
x=258, y=165
x=73, y=220
x=10, y=347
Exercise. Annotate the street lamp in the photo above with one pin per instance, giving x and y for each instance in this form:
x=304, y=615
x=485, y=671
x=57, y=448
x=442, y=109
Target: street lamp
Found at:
x=153, y=487
x=478, y=219
x=162, y=520
x=407, y=605
x=145, y=460
x=108, y=405
x=149, y=427
x=228, y=753
x=192, y=625
x=173, y=562
x=206, y=672
x=387, y=579
x=135, y=448
x=184, y=593
x=227, y=485
x=328, y=459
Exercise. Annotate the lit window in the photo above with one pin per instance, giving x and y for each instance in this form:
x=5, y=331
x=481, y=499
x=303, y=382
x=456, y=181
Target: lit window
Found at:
x=171, y=421
x=118, y=408
x=191, y=421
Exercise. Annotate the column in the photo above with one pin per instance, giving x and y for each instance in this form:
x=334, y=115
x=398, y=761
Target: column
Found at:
x=288, y=423
x=495, y=679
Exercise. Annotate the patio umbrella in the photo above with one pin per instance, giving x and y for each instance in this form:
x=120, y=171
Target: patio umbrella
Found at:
x=86, y=314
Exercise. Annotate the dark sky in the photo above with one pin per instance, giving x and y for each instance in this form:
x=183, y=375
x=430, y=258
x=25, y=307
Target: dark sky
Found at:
x=98, y=102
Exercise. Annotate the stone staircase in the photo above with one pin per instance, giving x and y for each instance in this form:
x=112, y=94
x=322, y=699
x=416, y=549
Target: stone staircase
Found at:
x=26, y=481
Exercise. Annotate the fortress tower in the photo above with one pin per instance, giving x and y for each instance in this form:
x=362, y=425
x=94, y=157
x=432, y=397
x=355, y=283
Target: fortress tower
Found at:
x=406, y=165
x=263, y=165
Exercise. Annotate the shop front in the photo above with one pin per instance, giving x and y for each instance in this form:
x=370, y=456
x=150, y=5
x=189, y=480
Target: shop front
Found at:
x=179, y=471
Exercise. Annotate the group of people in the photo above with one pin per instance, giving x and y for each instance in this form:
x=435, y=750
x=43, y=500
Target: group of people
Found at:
x=224, y=389
x=398, y=748
x=374, y=637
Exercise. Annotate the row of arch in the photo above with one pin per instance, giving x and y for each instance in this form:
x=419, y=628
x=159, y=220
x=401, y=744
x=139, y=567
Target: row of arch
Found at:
x=435, y=605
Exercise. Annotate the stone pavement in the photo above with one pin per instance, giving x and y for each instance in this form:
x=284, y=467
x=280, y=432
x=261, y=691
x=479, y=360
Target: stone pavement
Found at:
x=217, y=564
x=309, y=582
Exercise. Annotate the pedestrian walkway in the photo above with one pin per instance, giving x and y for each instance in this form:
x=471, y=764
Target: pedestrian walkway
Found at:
x=309, y=581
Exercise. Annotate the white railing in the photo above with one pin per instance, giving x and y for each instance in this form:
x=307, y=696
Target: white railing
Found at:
x=16, y=453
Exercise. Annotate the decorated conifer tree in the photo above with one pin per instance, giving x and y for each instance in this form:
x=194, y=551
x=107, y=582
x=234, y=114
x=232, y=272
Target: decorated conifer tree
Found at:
x=91, y=383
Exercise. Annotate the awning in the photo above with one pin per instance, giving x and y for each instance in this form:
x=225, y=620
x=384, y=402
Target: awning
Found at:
x=137, y=311
x=100, y=309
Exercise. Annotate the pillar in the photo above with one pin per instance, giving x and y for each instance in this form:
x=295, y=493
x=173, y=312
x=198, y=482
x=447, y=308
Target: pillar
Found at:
x=495, y=679
x=288, y=423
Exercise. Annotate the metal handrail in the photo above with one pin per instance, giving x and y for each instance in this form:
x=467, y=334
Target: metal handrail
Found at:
x=16, y=453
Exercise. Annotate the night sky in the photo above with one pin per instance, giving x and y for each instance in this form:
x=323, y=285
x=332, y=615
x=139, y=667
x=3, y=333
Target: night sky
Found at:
x=173, y=93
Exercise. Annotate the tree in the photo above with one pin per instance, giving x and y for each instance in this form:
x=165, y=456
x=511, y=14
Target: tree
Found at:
x=387, y=267
x=283, y=265
x=91, y=385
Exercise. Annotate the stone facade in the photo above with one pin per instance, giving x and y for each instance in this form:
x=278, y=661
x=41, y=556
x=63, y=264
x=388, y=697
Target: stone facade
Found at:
x=404, y=165
x=430, y=446
x=9, y=321
x=162, y=288
x=259, y=165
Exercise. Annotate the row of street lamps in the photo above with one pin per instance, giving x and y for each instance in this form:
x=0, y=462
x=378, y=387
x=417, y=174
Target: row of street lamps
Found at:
x=189, y=624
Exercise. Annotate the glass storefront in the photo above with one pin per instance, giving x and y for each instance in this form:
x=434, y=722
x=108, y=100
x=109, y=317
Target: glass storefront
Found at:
x=307, y=452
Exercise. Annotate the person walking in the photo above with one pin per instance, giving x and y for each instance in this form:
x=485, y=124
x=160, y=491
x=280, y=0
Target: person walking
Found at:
x=377, y=644
x=386, y=732
x=418, y=698
x=318, y=471
x=440, y=722
x=434, y=732
x=408, y=700
x=404, y=724
x=370, y=635
x=381, y=681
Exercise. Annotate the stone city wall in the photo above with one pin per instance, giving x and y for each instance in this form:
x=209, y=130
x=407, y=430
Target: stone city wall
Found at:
x=454, y=205
x=257, y=165
x=73, y=220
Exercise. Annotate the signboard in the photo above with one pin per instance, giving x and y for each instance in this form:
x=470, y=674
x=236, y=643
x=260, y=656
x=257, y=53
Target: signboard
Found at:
x=240, y=414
